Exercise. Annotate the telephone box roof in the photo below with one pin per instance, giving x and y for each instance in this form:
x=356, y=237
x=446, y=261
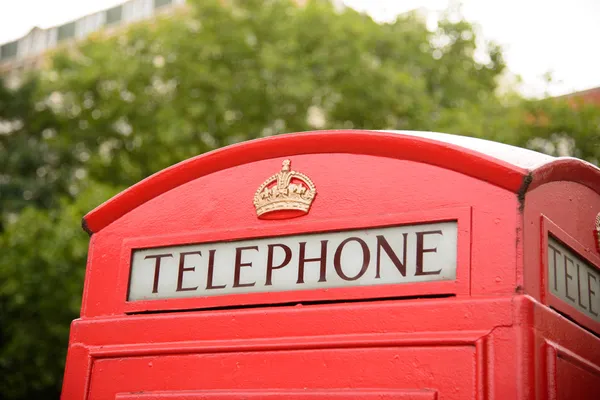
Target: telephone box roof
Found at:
x=512, y=168
x=519, y=157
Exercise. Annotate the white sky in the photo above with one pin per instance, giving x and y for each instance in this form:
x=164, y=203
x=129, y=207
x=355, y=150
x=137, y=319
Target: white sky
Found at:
x=539, y=36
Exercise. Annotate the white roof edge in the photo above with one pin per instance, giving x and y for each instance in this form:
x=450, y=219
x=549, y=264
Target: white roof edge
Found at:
x=520, y=157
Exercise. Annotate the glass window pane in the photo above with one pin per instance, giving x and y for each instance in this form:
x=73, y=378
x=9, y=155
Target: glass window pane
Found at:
x=162, y=3
x=114, y=15
x=66, y=31
x=9, y=50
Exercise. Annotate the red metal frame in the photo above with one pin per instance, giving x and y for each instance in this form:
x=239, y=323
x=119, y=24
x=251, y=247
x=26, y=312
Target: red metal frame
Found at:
x=362, y=142
x=559, y=341
x=360, y=394
x=493, y=336
x=492, y=209
x=554, y=200
x=567, y=169
x=550, y=228
x=436, y=324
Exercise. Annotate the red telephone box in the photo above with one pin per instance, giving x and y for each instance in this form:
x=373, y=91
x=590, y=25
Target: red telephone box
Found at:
x=345, y=265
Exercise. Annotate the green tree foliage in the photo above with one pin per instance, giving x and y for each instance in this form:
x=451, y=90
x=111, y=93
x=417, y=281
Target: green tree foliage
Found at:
x=118, y=107
x=215, y=75
x=562, y=127
x=41, y=275
x=32, y=172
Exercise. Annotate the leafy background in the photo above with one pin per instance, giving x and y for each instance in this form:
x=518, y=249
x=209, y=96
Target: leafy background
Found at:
x=116, y=108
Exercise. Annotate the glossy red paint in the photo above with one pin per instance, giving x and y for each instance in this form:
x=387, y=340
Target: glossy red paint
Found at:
x=288, y=395
x=549, y=228
x=569, y=170
x=567, y=210
x=323, y=142
x=492, y=333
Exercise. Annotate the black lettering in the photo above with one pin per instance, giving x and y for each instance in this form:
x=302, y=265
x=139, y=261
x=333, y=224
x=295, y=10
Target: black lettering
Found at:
x=579, y=290
x=211, y=270
x=239, y=264
x=567, y=278
x=555, y=252
x=383, y=244
x=270, y=266
x=182, y=269
x=591, y=292
x=337, y=259
x=303, y=260
x=421, y=251
x=157, y=258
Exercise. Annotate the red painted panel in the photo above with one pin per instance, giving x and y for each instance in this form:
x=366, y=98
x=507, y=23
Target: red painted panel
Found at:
x=549, y=228
x=406, y=368
x=275, y=324
x=567, y=210
x=567, y=357
x=576, y=379
x=417, y=325
x=221, y=204
x=307, y=394
x=567, y=170
x=479, y=337
x=568, y=376
x=379, y=144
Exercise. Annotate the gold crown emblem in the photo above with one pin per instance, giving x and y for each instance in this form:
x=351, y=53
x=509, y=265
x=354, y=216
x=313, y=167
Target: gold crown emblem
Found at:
x=597, y=232
x=286, y=190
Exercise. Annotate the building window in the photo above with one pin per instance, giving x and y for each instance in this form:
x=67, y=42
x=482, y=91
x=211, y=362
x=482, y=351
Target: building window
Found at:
x=162, y=3
x=114, y=15
x=9, y=50
x=66, y=31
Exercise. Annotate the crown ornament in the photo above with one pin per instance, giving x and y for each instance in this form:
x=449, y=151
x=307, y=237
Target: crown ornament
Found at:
x=286, y=190
x=597, y=232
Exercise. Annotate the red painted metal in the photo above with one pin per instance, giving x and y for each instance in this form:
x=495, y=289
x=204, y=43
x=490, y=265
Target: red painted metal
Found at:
x=548, y=227
x=493, y=333
x=287, y=395
x=379, y=144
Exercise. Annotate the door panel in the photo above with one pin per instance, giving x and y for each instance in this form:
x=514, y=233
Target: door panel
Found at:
x=576, y=380
x=285, y=395
x=400, y=372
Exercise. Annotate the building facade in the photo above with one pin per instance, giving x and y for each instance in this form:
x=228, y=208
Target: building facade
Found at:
x=27, y=52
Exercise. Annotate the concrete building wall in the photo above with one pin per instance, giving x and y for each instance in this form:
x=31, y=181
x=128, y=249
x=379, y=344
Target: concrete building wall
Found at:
x=27, y=51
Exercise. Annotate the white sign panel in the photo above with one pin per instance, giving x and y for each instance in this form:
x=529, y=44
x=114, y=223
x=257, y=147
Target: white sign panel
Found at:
x=573, y=280
x=392, y=255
